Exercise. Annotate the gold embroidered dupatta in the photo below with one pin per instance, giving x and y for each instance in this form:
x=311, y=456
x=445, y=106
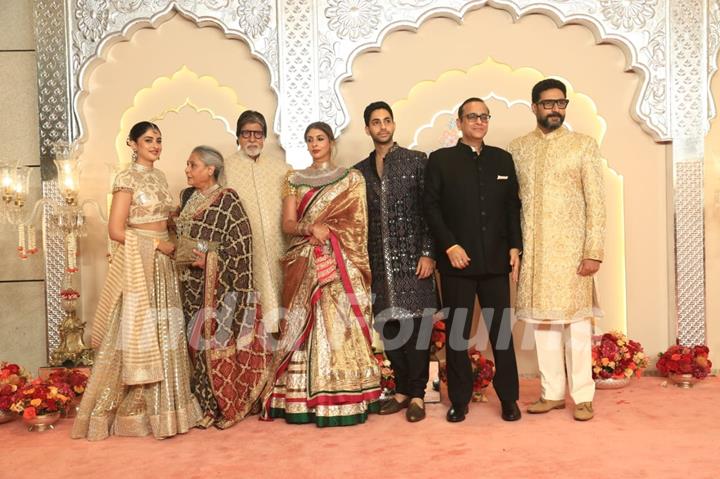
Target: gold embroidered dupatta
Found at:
x=131, y=271
x=342, y=207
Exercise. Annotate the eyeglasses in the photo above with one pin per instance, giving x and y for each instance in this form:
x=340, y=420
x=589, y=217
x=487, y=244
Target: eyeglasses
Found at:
x=549, y=104
x=248, y=133
x=483, y=117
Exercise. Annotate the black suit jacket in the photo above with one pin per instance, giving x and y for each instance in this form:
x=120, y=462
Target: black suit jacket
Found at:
x=472, y=200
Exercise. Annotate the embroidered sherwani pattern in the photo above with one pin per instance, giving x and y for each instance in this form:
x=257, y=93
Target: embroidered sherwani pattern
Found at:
x=259, y=183
x=560, y=176
x=397, y=233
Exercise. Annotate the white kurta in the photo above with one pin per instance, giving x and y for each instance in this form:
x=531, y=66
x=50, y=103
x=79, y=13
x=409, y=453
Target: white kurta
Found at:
x=259, y=184
x=560, y=176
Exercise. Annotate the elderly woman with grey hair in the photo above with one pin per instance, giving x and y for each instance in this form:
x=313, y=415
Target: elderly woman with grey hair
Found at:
x=228, y=345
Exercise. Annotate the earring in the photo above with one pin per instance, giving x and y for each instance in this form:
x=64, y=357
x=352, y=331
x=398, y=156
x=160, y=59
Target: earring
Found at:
x=134, y=155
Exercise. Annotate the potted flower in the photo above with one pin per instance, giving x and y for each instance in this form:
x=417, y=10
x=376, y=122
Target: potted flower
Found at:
x=483, y=373
x=41, y=403
x=12, y=378
x=76, y=380
x=438, y=337
x=616, y=359
x=387, y=376
x=685, y=365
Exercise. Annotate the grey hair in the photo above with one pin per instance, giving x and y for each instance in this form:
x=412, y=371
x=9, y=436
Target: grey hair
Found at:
x=211, y=157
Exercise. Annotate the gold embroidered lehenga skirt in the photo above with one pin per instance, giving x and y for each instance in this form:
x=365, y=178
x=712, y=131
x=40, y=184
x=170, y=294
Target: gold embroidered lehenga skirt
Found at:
x=162, y=408
x=324, y=371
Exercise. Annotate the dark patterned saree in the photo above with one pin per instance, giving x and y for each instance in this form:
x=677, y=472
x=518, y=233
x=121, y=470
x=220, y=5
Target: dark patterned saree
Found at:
x=228, y=344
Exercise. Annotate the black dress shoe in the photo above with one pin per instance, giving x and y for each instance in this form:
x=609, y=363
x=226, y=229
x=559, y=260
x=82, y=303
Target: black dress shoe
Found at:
x=510, y=410
x=457, y=414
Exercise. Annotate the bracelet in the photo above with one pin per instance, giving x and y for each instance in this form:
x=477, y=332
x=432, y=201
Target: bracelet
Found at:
x=302, y=230
x=156, y=243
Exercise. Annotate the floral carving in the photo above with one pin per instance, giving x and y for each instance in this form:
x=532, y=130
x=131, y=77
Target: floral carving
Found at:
x=353, y=19
x=628, y=14
x=217, y=4
x=126, y=6
x=254, y=16
x=92, y=18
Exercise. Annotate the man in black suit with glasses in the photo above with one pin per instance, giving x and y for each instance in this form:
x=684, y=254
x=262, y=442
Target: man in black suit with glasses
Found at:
x=473, y=210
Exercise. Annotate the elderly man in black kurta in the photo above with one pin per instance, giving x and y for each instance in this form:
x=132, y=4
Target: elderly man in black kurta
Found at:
x=473, y=210
x=401, y=259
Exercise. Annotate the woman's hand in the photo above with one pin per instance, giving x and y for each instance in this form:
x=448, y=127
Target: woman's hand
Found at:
x=200, y=262
x=319, y=233
x=166, y=248
x=171, y=225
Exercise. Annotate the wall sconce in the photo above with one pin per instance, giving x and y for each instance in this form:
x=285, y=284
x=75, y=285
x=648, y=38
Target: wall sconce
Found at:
x=68, y=216
x=15, y=185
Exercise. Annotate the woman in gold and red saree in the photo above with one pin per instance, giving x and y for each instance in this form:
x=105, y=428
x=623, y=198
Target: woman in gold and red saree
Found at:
x=228, y=345
x=324, y=371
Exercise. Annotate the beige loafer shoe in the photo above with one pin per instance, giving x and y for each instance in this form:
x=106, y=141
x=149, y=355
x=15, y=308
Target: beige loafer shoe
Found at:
x=541, y=406
x=583, y=411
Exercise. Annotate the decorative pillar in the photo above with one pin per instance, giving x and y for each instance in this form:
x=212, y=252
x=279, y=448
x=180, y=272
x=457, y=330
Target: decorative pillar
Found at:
x=688, y=28
x=54, y=112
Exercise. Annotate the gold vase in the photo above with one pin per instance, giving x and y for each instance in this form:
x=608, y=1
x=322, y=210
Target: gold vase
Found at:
x=685, y=381
x=42, y=422
x=7, y=416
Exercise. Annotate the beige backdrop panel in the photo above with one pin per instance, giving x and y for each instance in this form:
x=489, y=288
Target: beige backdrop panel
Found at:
x=712, y=229
x=194, y=93
x=426, y=74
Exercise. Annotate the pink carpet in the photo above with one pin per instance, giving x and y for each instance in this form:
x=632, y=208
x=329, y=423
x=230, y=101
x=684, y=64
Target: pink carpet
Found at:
x=643, y=431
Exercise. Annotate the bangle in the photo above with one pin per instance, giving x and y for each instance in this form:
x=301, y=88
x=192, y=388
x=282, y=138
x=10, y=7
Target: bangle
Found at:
x=303, y=229
x=156, y=243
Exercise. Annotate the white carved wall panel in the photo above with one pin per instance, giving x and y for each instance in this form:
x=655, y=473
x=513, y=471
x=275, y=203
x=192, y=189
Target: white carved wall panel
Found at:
x=309, y=46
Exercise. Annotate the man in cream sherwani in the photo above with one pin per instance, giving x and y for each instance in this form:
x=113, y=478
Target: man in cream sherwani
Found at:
x=560, y=176
x=258, y=180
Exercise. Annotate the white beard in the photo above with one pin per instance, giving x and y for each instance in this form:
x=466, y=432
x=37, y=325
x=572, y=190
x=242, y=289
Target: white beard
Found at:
x=252, y=150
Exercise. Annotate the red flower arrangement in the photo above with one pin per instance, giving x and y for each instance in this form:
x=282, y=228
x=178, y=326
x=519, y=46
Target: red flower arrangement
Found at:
x=39, y=397
x=12, y=378
x=438, y=337
x=483, y=373
x=483, y=370
x=387, y=375
x=74, y=378
x=685, y=360
x=615, y=356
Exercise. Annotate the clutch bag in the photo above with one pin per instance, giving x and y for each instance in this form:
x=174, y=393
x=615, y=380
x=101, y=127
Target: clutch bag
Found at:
x=184, y=255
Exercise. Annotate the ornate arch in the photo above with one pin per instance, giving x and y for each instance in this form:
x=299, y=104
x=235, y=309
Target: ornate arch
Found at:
x=639, y=31
x=96, y=25
x=309, y=47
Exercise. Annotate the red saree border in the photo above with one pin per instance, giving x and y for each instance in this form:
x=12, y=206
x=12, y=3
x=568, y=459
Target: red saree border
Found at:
x=305, y=201
x=349, y=291
x=333, y=399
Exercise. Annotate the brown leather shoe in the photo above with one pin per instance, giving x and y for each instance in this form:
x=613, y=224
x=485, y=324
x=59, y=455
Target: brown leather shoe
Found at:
x=583, y=411
x=415, y=413
x=391, y=406
x=541, y=406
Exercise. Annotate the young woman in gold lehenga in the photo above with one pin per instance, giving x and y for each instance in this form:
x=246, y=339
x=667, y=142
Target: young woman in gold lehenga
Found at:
x=140, y=382
x=324, y=371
